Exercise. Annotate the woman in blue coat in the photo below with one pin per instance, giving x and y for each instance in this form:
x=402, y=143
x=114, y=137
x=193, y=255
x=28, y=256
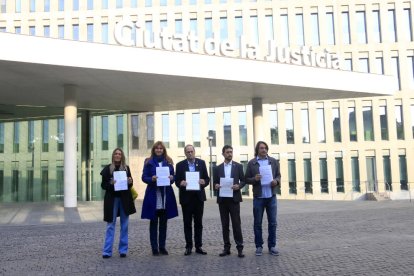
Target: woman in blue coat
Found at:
x=159, y=201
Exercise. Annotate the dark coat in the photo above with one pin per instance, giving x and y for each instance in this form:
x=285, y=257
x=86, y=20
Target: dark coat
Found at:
x=126, y=196
x=253, y=169
x=180, y=169
x=238, y=178
x=149, y=205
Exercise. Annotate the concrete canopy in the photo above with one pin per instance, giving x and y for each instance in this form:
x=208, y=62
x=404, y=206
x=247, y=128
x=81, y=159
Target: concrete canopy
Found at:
x=33, y=71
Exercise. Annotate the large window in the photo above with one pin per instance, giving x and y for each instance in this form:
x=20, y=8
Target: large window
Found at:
x=395, y=64
x=305, y=126
x=336, y=124
x=61, y=31
x=376, y=25
x=274, y=129
x=180, y=130
x=361, y=27
x=3, y=8
x=383, y=122
x=45, y=135
x=89, y=32
x=315, y=29
x=75, y=5
x=75, y=32
x=323, y=173
x=238, y=28
x=387, y=172
x=105, y=133
x=330, y=28
x=300, y=34
x=105, y=4
x=224, y=33
x=346, y=34
x=403, y=172
x=364, y=65
x=60, y=134
x=196, y=130
x=368, y=123
x=61, y=5
x=211, y=124
x=18, y=7
x=254, y=29
x=16, y=135
x=379, y=65
x=120, y=131
x=46, y=7
x=1, y=137
x=352, y=124
x=290, y=134
x=269, y=27
x=243, y=128
x=356, y=187
x=30, y=136
x=284, y=35
x=292, y=176
x=307, y=175
x=227, y=127
x=391, y=26
x=166, y=130
x=399, y=121
x=134, y=131
x=339, y=168
x=105, y=33
x=320, y=115
x=407, y=32
x=150, y=130
x=32, y=5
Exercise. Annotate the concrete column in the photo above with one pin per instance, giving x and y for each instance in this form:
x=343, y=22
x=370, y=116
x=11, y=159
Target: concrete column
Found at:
x=70, y=174
x=257, y=111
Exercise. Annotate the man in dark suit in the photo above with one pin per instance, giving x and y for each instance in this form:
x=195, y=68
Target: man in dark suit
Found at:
x=192, y=201
x=230, y=205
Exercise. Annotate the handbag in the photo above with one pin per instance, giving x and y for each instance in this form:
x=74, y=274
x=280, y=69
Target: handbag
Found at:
x=134, y=193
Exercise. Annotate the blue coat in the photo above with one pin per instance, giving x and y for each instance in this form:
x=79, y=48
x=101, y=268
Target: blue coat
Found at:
x=149, y=205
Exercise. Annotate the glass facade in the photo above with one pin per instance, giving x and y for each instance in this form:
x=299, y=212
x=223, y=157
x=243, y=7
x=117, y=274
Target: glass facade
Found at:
x=37, y=145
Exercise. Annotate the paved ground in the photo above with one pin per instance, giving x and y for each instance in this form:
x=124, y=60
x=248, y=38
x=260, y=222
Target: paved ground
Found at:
x=314, y=238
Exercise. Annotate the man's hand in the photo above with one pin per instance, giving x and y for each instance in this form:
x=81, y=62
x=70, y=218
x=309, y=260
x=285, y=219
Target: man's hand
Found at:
x=183, y=183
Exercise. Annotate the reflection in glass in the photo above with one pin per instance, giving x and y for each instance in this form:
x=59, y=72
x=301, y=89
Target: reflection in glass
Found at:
x=196, y=129
x=292, y=176
x=227, y=128
x=336, y=124
x=352, y=124
x=274, y=129
x=165, y=130
x=383, y=122
x=290, y=134
x=368, y=123
x=323, y=173
x=355, y=174
x=305, y=126
x=307, y=174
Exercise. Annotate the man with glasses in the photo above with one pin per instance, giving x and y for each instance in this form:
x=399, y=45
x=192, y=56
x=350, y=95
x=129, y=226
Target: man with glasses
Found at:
x=264, y=175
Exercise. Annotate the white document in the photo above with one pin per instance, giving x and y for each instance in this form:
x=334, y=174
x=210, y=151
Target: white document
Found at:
x=225, y=187
x=192, y=179
x=163, y=174
x=266, y=173
x=121, y=180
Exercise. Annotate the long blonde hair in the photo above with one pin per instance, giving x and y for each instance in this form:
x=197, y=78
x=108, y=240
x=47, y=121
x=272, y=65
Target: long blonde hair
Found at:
x=123, y=166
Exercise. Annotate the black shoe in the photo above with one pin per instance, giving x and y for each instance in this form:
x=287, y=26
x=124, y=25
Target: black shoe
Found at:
x=155, y=252
x=225, y=253
x=187, y=252
x=199, y=250
x=163, y=251
x=106, y=256
x=240, y=253
x=122, y=255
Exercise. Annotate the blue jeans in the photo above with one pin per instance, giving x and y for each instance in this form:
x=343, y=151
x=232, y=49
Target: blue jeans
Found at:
x=110, y=230
x=259, y=205
x=160, y=215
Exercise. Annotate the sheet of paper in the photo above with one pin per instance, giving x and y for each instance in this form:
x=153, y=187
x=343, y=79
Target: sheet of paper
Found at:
x=192, y=179
x=163, y=174
x=266, y=173
x=121, y=181
x=225, y=187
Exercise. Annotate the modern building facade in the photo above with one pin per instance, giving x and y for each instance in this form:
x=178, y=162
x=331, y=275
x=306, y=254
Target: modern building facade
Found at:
x=328, y=149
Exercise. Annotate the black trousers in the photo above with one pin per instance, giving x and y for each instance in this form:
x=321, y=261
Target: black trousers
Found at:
x=194, y=209
x=231, y=210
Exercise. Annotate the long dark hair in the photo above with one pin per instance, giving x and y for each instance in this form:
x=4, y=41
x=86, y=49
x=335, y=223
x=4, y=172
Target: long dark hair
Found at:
x=256, y=149
x=164, y=154
x=123, y=165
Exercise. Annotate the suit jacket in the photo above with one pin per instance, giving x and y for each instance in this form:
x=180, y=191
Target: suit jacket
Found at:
x=180, y=169
x=253, y=169
x=238, y=178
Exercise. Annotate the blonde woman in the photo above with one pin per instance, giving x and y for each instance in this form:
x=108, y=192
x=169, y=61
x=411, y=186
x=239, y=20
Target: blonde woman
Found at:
x=116, y=204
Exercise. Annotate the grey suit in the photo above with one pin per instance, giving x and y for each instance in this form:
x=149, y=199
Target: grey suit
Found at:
x=230, y=207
